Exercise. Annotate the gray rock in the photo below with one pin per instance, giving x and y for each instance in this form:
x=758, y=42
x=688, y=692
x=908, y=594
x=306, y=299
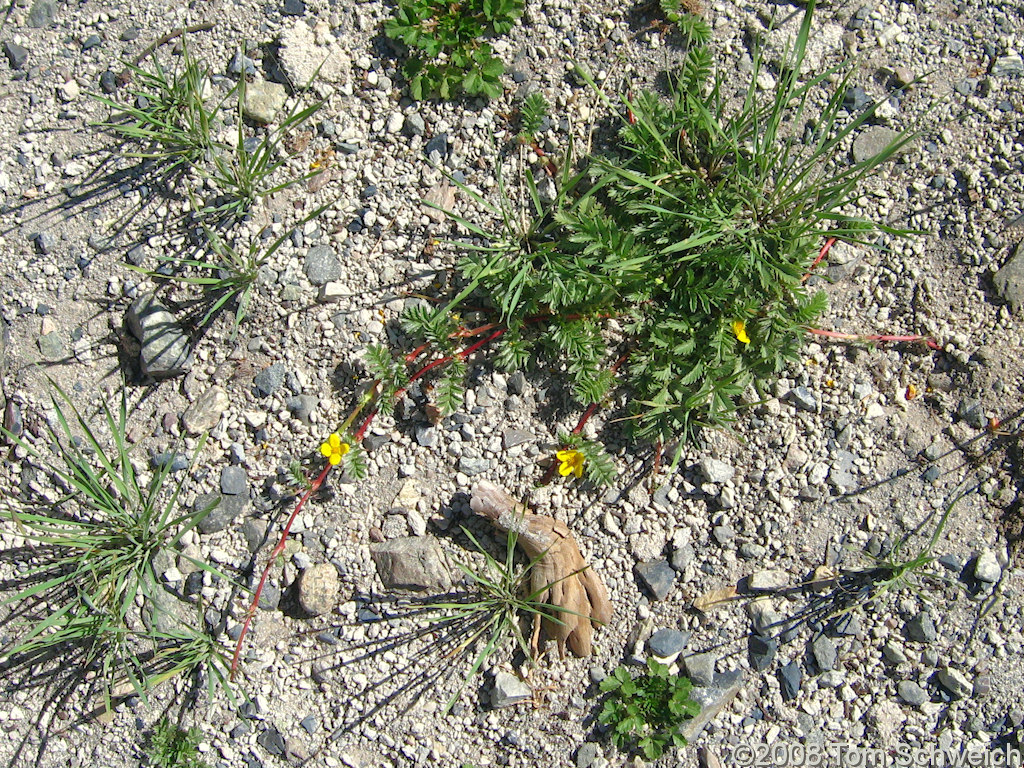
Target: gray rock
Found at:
x=509, y=690
x=50, y=346
x=712, y=700
x=234, y=481
x=414, y=125
x=176, y=461
x=322, y=265
x=716, y=471
x=263, y=100
x=666, y=643
x=912, y=693
x=761, y=651
x=1011, y=64
x=438, y=144
x=303, y=407
x=764, y=618
x=510, y=438
x=893, y=654
x=723, y=534
x=841, y=474
x=318, y=589
x=803, y=399
x=269, y=380
x=204, y=414
x=987, y=567
x=1009, y=280
x=310, y=724
x=682, y=556
x=790, y=678
x=473, y=466
x=751, y=551
x=847, y=625
x=223, y=512
x=824, y=652
x=955, y=682
x=872, y=141
x=17, y=55
x=700, y=668
x=921, y=628
x=768, y=581
x=272, y=741
x=426, y=435
x=165, y=347
x=241, y=64
x=293, y=8
x=658, y=576
x=415, y=563
x=42, y=13
x=516, y=383
x=587, y=754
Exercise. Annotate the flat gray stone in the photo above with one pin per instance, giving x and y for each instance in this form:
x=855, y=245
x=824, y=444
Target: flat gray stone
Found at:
x=263, y=100
x=770, y=580
x=269, y=380
x=921, y=628
x=204, y=414
x=803, y=399
x=1011, y=64
x=225, y=510
x=318, y=589
x=658, y=576
x=473, y=466
x=322, y=265
x=667, y=643
x=414, y=562
x=510, y=438
x=712, y=700
x=700, y=668
x=824, y=652
x=509, y=690
x=912, y=693
x=872, y=141
x=790, y=678
x=716, y=471
x=234, y=481
x=42, y=13
x=165, y=347
x=50, y=346
x=956, y=682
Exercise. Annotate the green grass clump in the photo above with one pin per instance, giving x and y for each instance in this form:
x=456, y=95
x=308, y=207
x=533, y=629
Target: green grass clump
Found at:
x=173, y=747
x=96, y=546
x=695, y=235
x=647, y=711
x=447, y=53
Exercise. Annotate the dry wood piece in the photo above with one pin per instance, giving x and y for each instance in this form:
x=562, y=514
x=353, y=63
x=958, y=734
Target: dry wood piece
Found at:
x=560, y=576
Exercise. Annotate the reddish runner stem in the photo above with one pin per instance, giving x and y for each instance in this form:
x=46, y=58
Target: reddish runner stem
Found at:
x=932, y=344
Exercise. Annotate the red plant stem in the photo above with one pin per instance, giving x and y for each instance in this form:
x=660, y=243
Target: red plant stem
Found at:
x=932, y=344
x=821, y=255
x=313, y=488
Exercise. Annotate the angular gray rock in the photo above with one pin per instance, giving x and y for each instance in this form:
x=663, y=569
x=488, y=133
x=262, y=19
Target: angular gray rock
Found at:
x=322, y=265
x=509, y=690
x=768, y=581
x=51, y=347
x=987, y=567
x=269, y=380
x=921, y=628
x=700, y=668
x=824, y=652
x=234, y=481
x=42, y=13
x=318, y=589
x=955, y=682
x=716, y=471
x=165, y=347
x=667, y=643
x=414, y=563
x=224, y=510
x=912, y=693
x=658, y=577
x=790, y=678
x=712, y=700
x=1009, y=280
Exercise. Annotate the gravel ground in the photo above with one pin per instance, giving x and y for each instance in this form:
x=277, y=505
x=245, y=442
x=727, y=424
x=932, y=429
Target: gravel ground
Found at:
x=859, y=445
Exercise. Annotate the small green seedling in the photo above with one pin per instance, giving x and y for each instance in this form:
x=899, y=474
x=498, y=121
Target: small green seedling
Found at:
x=173, y=747
x=448, y=56
x=647, y=710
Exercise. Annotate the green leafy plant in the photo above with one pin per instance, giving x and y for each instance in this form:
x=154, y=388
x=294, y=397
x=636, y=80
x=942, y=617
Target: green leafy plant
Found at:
x=685, y=14
x=173, y=747
x=448, y=55
x=97, y=543
x=696, y=237
x=647, y=710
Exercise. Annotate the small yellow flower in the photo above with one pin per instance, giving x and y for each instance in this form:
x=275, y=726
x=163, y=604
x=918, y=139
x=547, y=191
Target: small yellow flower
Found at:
x=571, y=462
x=740, y=329
x=334, y=449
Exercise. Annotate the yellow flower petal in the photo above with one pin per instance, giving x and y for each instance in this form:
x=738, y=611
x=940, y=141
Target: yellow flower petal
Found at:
x=334, y=440
x=344, y=448
x=564, y=468
x=335, y=459
x=325, y=449
x=565, y=455
x=739, y=328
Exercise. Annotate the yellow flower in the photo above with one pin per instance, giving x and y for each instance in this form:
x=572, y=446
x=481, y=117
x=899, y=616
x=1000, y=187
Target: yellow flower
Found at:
x=334, y=449
x=740, y=329
x=571, y=462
